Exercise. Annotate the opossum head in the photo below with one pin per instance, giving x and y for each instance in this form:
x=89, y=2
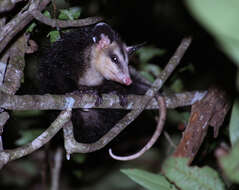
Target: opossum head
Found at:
x=110, y=56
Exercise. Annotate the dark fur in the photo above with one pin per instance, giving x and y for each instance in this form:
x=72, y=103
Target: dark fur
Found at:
x=58, y=70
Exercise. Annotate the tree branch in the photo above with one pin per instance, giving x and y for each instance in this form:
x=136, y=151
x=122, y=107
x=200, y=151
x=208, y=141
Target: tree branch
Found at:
x=58, y=102
x=211, y=110
x=9, y=155
x=56, y=169
x=20, y=21
x=7, y=5
x=31, y=10
x=64, y=23
x=15, y=62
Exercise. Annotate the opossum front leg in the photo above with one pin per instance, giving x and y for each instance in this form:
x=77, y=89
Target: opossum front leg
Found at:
x=89, y=90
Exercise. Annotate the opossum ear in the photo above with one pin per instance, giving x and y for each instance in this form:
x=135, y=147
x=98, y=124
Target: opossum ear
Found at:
x=131, y=49
x=103, y=40
x=103, y=34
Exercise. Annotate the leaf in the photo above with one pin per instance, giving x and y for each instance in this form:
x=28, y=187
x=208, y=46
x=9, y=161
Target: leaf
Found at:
x=147, y=53
x=79, y=158
x=177, y=86
x=188, y=178
x=150, y=71
x=65, y=15
x=54, y=36
x=234, y=123
x=71, y=14
x=149, y=180
x=47, y=14
x=31, y=27
x=220, y=17
x=76, y=12
x=176, y=117
x=230, y=163
x=27, y=113
x=78, y=173
x=147, y=76
x=28, y=135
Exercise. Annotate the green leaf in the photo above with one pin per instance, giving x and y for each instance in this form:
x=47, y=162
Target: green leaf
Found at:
x=220, y=17
x=31, y=27
x=147, y=53
x=78, y=173
x=79, y=158
x=27, y=113
x=234, y=123
x=177, y=85
x=71, y=14
x=28, y=135
x=76, y=12
x=176, y=117
x=149, y=180
x=188, y=178
x=47, y=14
x=147, y=76
x=230, y=163
x=54, y=36
x=65, y=15
x=150, y=71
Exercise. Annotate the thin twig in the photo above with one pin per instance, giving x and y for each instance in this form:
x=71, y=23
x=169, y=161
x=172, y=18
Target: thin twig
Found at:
x=56, y=170
x=154, y=138
x=4, y=116
x=169, y=139
x=64, y=23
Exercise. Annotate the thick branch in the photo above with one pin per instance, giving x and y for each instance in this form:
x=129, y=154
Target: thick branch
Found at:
x=15, y=67
x=20, y=21
x=211, y=110
x=7, y=5
x=58, y=102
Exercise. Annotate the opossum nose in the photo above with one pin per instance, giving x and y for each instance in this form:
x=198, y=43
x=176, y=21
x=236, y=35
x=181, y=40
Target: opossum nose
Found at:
x=127, y=81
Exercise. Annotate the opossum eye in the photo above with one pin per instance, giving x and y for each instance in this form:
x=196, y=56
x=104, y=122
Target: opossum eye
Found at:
x=114, y=59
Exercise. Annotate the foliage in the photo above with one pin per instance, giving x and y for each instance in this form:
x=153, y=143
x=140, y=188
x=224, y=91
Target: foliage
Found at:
x=28, y=135
x=177, y=172
x=70, y=14
x=234, y=123
x=149, y=180
x=230, y=163
x=221, y=21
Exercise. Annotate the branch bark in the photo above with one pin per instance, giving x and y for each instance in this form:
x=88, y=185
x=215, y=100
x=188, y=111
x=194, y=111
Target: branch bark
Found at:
x=58, y=102
x=211, y=110
x=64, y=23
